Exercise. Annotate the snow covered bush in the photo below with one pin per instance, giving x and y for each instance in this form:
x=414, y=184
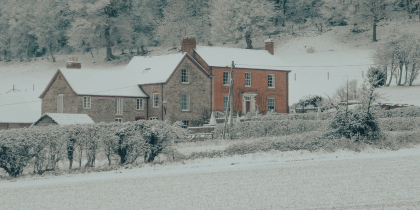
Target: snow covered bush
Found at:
x=265, y=128
x=15, y=151
x=376, y=76
x=412, y=111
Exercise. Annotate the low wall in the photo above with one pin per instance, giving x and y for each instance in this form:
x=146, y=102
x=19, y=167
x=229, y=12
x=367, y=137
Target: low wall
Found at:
x=192, y=130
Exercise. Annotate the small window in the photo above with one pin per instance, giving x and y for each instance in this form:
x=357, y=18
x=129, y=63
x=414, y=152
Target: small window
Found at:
x=272, y=104
x=139, y=104
x=118, y=120
x=155, y=100
x=185, y=123
x=185, y=76
x=226, y=78
x=225, y=103
x=60, y=103
x=271, y=81
x=247, y=79
x=153, y=118
x=247, y=98
x=86, y=102
x=119, y=106
x=185, y=102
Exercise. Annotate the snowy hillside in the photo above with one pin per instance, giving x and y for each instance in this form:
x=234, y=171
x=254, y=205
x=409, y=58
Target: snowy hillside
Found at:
x=319, y=63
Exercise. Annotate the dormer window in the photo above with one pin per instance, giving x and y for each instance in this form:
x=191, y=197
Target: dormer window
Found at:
x=185, y=76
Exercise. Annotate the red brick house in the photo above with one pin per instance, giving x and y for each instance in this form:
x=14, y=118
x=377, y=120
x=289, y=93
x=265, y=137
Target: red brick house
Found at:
x=186, y=86
x=258, y=81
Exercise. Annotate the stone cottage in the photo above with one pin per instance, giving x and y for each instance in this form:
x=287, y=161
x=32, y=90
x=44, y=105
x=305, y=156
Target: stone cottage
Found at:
x=185, y=86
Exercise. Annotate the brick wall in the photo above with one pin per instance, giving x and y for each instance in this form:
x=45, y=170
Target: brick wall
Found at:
x=259, y=85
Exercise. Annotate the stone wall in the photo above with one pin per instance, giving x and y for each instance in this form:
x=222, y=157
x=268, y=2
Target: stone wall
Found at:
x=59, y=86
x=149, y=90
x=103, y=109
x=199, y=90
x=5, y=126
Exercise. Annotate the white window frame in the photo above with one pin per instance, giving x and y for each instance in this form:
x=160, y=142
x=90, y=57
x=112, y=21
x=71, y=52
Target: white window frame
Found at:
x=60, y=103
x=268, y=102
x=153, y=118
x=248, y=79
x=86, y=102
x=185, y=123
x=225, y=105
x=185, y=76
x=118, y=120
x=227, y=81
x=273, y=81
x=139, y=104
x=185, y=100
x=119, y=106
x=155, y=100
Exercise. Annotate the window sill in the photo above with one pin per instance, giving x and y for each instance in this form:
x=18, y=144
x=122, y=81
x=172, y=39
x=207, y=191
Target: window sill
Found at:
x=185, y=83
x=85, y=108
x=139, y=109
x=184, y=110
x=247, y=86
x=155, y=107
x=272, y=87
x=226, y=85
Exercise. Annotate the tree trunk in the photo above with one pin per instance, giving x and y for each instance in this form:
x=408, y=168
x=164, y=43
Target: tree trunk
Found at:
x=109, y=159
x=400, y=74
x=284, y=13
x=248, y=40
x=375, y=21
x=91, y=53
x=406, y=74
x=52, y=56
x=109, y=56
x=413, y=74
x=80, y=157
x=391, y=73
x=138, y=51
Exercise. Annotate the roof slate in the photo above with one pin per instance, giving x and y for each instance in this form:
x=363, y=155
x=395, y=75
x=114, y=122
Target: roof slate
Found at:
x=243, y=58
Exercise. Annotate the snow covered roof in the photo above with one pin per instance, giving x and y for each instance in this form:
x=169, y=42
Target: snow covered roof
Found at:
x=67, y=119
x=154, y=69
x=20, y=107
x=103, y=82
x=243, y=58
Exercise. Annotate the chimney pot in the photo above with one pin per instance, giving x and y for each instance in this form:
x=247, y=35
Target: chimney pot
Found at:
x=73, y=64
x=188, y=44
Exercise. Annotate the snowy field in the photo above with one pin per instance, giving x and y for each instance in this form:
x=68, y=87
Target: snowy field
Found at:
x=371, y=179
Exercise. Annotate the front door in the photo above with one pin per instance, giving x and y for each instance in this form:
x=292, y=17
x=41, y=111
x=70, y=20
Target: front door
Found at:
x=248, y=106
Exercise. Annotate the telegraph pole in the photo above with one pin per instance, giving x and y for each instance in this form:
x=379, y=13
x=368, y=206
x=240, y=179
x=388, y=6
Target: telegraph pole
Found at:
x=229, y=108
x=231, y=94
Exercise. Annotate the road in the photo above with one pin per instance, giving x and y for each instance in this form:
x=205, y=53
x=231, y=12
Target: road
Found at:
x=359, y=183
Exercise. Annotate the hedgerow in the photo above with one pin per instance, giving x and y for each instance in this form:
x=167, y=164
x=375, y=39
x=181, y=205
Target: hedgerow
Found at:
x=43, y=147
x=266, y=128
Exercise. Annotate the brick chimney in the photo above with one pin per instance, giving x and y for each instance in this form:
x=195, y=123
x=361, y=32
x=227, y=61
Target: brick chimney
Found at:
x=188, y=44
x=73, y=64
x=269, y=46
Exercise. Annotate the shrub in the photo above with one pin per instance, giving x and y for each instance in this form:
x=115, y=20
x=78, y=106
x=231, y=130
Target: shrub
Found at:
x=376, y=77
x=354, y=123
x=15, y=151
